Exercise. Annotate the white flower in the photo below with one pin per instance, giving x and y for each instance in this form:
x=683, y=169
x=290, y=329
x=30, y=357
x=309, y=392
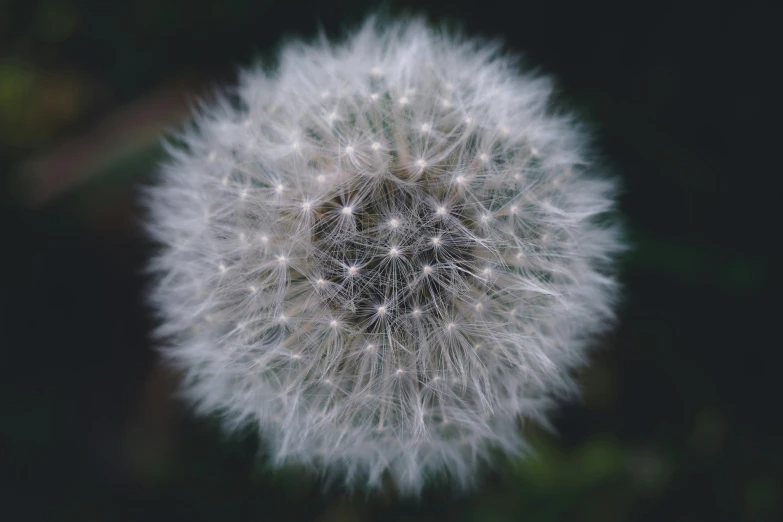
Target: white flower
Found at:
x=384, y=255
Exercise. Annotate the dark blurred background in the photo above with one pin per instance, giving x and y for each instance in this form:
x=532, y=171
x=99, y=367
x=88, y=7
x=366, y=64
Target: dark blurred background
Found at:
x=678, y=420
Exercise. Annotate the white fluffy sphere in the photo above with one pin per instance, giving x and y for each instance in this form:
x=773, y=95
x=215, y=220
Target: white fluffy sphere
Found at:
x=384, y=255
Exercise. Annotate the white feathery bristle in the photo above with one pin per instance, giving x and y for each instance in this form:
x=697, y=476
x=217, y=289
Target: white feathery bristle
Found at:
x=384, y=255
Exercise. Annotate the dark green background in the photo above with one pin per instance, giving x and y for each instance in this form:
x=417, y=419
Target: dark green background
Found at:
x=680, y=419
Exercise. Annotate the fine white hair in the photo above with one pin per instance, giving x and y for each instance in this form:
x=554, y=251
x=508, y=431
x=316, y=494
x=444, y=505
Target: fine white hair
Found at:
x=386, y=255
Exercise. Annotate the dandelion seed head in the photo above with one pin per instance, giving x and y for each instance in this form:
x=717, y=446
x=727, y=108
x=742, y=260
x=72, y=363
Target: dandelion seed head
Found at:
x=353, y=290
